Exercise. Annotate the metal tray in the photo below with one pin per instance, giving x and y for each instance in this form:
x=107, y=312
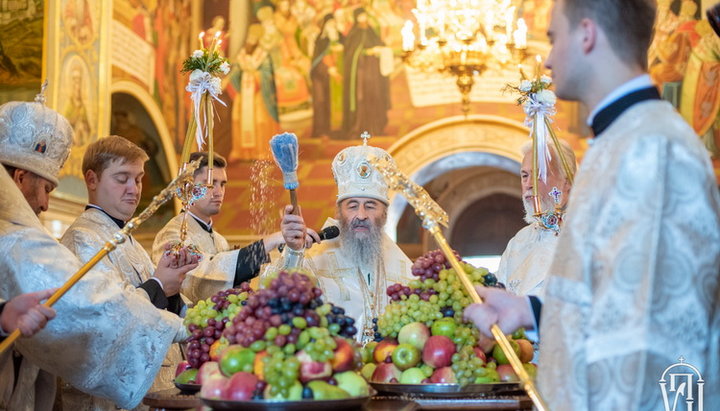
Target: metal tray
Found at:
x=447, y=390
x=188, y=388
x=302, y=405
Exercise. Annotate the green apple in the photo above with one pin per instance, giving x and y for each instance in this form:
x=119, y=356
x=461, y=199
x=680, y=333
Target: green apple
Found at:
x=352, y=383
x=412, y=375
x=367, y=352
x=499, y=354
x=237, y=358
x=188, y=376
x=406, y=356
x=368, y=370
x=444, y=326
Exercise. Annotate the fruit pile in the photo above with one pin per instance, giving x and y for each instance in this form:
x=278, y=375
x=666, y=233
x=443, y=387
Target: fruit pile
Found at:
x=422, y=338
x=206, y=322
x=286, y=344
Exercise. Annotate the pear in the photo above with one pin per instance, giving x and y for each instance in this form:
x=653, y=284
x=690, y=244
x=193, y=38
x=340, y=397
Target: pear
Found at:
x=354, y=384
x=324, y=391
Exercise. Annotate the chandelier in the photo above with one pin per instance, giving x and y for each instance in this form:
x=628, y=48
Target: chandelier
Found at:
x=464, y=38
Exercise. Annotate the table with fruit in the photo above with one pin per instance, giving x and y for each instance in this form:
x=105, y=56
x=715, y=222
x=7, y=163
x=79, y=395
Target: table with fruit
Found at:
x=283, y=343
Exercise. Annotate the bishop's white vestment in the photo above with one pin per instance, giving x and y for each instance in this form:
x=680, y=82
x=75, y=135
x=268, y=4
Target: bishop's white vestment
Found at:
x=106, y=340
x=635, y=280
x=525, y=262
x=132, y=266
x=220, y=264
x=361, y=291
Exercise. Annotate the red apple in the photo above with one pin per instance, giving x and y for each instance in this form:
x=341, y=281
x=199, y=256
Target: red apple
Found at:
x=386, y=372
x=344, y=358
x=415, y=334
x=208, y=370
x=241, y=387
x=444, y=375
x=184, y=365
x=526, y=350
x=312, y=370
x=506, y=373
x=480, y=354
x=214, y=387
x=384, y=350
x=438, y=351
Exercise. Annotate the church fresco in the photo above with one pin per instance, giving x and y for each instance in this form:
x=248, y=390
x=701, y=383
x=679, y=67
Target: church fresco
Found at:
x=21, y=49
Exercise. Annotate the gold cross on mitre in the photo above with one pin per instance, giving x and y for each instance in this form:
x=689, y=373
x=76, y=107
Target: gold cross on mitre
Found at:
x=365, y=136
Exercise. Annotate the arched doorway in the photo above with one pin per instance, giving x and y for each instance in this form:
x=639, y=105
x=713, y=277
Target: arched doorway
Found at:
x=131, y=119
x=470, y=166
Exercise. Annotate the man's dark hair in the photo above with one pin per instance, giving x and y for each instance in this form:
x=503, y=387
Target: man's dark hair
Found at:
x=218, y=160
x=628, y=24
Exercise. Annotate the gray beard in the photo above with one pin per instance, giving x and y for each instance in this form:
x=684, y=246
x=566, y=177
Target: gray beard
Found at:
x=530, y=218
x=364, y=252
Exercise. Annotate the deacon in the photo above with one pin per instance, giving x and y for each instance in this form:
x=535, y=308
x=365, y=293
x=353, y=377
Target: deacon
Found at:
x=113, y=168
x=525, y=262
x=106, y=340
x=355, y=269
x=634, y=283
x=220, y=267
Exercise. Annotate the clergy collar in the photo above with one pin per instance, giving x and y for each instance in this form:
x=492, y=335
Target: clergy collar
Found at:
x=614, y=104
x=120, y=223
x=205, y=226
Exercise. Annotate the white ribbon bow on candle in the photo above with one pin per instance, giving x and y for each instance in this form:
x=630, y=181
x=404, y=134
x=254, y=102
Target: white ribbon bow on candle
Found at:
x=201, y=82
x=539, y=107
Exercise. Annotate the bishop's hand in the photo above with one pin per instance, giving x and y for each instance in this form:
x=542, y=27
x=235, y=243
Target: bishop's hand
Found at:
x=296, y=234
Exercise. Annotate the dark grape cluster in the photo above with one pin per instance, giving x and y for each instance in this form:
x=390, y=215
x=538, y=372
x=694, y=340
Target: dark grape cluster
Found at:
x=339, y=323
x=206, y=321
x=397, y=291
x=429, y=265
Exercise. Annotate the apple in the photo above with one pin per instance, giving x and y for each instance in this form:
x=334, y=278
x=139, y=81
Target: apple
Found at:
x=208, y=370
x=499, y=354
x=444, y=375
x=438, y=351
x=214, y=387
x=368, y=370
x=237, y=358
x=415, y=334
x=353, y=383
x=344, y=358
x=184, y=365
x=312, y=370
x=386, y=372
x=480, y=354
x=241, y=387
x=412, y=375
x=506, y=373
x=367, y=351
x=531, y=369
x=527, y=352
x=188, y=376
x=384, y=349
x=405, y=356
x=444, y=326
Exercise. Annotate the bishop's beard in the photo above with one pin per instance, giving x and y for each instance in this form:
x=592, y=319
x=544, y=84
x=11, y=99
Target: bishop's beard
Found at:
x=546, y=203
x=363, y=248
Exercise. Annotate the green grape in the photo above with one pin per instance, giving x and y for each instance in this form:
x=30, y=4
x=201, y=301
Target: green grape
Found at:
x=299, y=322
x=258, y=345
x=284, y=329
x=271, y=333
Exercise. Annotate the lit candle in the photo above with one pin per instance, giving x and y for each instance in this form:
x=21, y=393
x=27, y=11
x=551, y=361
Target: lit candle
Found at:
x=200, y=39
x=520, y=35
x=408, y=37
x=509, y=16
x=538, y=67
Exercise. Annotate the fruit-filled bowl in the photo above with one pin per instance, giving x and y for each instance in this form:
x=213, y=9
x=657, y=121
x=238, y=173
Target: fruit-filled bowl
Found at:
x=187, y=388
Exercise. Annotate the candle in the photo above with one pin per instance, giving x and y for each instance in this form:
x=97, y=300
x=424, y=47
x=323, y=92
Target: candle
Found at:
x=509, y=15
x=200, y=39
x=520, y=35
x=408, y=37
x=538, y=67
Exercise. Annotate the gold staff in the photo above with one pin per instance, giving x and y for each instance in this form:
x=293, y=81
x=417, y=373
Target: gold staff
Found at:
x=433, y=216
x=118, y=238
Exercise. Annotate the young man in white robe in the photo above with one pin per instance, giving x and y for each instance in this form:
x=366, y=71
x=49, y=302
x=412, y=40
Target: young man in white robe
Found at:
x=354, y=269
x=113, y=168
x=634, y=284
x=220, y=267
x=525, y=262
x=106, y=340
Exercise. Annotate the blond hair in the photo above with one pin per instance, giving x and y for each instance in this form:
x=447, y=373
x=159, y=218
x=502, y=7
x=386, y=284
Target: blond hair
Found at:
x=100, y=154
